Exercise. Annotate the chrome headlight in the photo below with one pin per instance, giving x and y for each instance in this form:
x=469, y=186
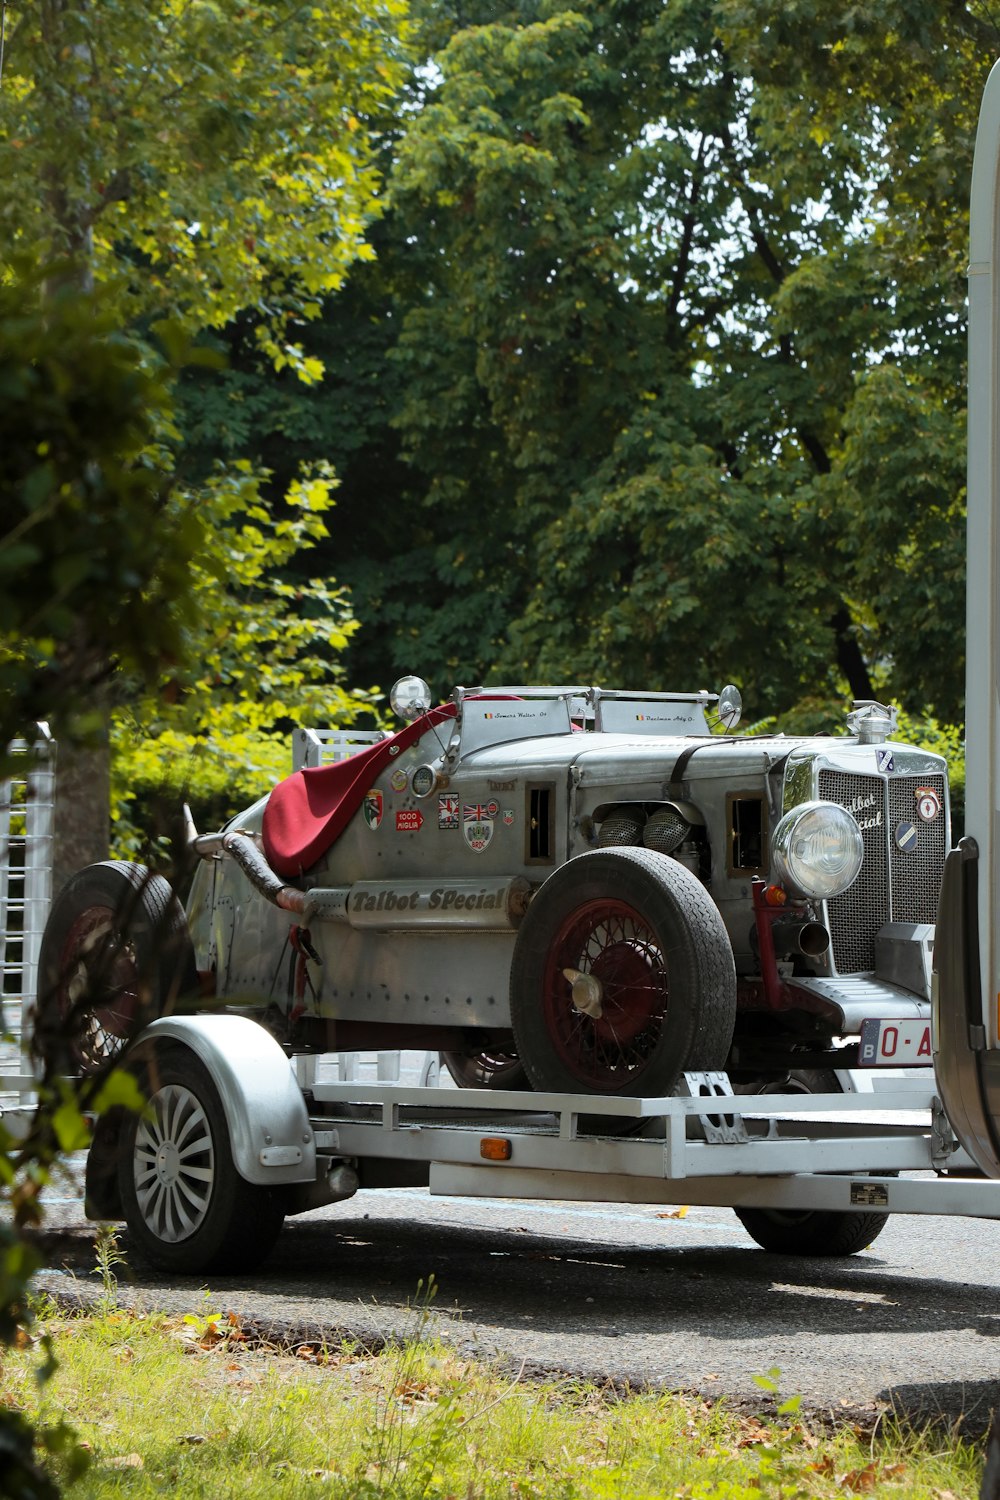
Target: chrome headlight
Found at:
x=816, y=850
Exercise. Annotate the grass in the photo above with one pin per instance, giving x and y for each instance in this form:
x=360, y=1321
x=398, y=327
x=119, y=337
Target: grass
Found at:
x=188, y=1405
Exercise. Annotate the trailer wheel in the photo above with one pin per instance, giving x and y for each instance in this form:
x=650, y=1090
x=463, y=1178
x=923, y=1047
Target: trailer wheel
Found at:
x=622, y=977
x=115, y=954
x=186, y=1206
x=486, y=1070
x=814, y=1231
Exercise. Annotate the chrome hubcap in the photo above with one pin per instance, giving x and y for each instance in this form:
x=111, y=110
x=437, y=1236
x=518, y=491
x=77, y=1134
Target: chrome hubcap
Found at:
x=174, y=1164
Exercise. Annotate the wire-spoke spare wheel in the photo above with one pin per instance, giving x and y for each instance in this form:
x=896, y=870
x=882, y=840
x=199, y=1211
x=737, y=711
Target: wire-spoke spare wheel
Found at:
x=622, y=977
x=185, y=1203
x=115, y=954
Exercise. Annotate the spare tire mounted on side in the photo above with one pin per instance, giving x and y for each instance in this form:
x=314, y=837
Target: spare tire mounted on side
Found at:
x=622, y=977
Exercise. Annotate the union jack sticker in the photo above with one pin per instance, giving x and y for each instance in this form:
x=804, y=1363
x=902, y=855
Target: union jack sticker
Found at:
x=448, y=811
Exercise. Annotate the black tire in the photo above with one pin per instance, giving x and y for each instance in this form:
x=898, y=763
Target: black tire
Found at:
x=115, y=954
x=486, y=1070
x=826, y=1232
x=188, y=1209
x=646, y=931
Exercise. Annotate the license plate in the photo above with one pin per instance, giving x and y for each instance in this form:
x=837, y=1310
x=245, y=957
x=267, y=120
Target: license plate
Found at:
x=896, y=1044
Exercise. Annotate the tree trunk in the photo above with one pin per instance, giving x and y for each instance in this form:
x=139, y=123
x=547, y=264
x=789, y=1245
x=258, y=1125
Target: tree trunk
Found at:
x=82, y=826
x=849, y=656
x=82, y=819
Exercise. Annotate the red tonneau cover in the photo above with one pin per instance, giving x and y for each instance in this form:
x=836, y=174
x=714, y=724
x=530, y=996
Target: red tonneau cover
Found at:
x=309, y=810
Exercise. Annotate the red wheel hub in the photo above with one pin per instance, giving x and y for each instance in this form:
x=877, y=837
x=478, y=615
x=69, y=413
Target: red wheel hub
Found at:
x=612, y=942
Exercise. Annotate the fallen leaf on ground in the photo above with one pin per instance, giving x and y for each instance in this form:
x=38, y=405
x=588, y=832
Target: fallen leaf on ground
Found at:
x=861, y=1479
x=126, y=1461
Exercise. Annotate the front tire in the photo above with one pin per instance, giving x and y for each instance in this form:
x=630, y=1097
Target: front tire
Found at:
x=186, y=1206
x=115, y=954
x=827, y=1232
x=622, y=977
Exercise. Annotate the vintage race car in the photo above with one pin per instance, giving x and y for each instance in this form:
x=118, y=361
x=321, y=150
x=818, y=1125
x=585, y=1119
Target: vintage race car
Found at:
x=563, y=888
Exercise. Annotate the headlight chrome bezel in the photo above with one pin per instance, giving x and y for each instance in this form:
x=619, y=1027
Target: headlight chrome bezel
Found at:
x=802, y=866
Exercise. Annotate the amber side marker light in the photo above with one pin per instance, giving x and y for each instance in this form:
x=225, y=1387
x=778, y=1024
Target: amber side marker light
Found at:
x=775, y=896
x=495, y=1148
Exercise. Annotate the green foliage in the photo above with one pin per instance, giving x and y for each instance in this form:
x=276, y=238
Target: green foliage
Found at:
x=196, y=163
x=259, y=654
x=669, y=324
x=203, y=158
x=95, y=544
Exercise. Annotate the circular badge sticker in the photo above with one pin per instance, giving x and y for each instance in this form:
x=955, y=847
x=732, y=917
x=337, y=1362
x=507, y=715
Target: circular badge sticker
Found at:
x=928, y=803
x=906, y=837
x=424, y=781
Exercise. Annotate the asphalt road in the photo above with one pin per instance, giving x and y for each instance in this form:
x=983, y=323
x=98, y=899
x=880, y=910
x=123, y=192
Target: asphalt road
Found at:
x=626, y=1295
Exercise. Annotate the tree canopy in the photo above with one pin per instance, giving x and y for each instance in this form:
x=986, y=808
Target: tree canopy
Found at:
x=651, y=369
x=204, y=158
x=659, y=375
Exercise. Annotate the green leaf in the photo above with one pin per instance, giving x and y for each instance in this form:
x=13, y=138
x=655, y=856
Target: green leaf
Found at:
x=71, y=1127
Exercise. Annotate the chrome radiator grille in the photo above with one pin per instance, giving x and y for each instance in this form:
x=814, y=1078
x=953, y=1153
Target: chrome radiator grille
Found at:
x=892, y=886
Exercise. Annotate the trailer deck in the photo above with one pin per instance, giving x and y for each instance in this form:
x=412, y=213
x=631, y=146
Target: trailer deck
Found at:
x=782, y=1151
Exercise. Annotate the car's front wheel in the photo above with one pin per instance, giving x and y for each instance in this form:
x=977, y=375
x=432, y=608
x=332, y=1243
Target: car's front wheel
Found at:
x=622, y=977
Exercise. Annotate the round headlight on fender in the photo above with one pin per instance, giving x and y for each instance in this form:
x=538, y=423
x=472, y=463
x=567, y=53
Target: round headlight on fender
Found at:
x=817, y=850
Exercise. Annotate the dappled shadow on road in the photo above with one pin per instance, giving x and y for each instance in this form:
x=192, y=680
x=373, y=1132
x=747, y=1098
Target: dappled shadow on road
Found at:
x=506, y=1276
x=495, y=1275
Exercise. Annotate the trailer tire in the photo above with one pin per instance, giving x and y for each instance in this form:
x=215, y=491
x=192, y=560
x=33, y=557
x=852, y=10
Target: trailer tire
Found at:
x=186, y=1206
x=655, y=992
x=115, y=955
x=826, y=1232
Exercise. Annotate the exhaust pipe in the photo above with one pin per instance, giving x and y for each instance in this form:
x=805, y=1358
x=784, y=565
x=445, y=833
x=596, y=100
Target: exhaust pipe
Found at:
x=811, y=939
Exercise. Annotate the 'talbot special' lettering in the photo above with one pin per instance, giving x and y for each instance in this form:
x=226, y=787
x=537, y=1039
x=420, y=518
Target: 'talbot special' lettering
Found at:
x=442, y=898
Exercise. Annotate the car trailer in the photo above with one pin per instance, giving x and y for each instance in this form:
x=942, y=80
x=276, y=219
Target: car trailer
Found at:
x=811, y=1174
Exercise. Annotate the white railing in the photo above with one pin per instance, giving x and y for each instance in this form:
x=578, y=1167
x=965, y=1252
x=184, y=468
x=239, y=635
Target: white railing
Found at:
x=27, y=818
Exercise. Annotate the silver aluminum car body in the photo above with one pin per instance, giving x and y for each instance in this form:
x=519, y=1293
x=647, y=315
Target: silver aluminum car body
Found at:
x=413, y=919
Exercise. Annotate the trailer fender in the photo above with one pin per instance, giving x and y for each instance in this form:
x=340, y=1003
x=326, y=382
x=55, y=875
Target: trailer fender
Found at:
x=270, y=1135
